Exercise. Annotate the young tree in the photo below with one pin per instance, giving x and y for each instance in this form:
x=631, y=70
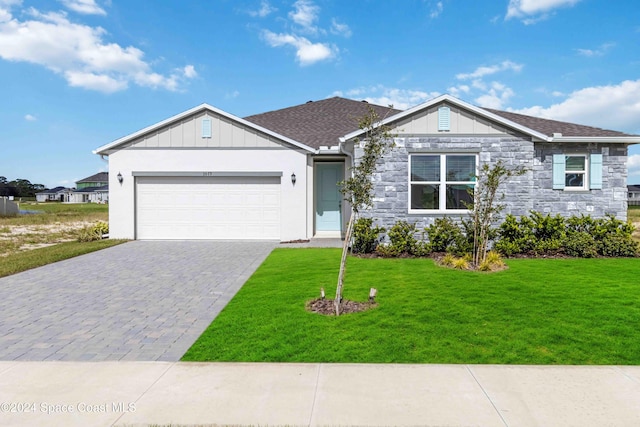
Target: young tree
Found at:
x=359, y=189
x=486, y=204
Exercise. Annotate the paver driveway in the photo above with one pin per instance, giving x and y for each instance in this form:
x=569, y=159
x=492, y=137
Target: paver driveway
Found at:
x=142, y=300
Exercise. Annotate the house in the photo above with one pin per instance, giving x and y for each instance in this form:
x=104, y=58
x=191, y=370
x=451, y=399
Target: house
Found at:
x=634, y=195
x=207, y=174
x=57, y=194
x=93, y=189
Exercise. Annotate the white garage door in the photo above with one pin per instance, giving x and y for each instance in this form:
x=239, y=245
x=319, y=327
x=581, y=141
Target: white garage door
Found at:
x=208, y=207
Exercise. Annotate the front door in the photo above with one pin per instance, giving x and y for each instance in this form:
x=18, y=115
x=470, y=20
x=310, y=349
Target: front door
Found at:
x=328, y=197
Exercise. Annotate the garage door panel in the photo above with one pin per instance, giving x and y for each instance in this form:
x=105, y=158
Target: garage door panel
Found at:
x=208, y=207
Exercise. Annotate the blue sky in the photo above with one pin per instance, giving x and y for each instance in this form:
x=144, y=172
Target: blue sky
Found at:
x=78, y=74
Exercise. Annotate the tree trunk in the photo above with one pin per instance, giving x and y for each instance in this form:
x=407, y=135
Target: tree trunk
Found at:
x=343, y=264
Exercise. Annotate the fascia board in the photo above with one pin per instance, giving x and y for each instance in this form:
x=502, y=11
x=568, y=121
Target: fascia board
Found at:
x=598, y=139
x=203, y=107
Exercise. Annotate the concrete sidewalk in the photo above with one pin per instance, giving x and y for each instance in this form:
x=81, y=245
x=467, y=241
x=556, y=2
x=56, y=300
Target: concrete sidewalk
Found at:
x=142, y=393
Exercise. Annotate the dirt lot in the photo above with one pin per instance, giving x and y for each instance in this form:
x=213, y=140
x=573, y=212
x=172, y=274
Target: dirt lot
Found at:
x=54, y=223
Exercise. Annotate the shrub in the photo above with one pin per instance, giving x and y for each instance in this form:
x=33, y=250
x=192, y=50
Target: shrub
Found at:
x=402, y=236
x=365, y=236
x=446, y=236
x=580, y=244
x=618, y=245
x=460, y=264
x=515, y=236
x=93, y=232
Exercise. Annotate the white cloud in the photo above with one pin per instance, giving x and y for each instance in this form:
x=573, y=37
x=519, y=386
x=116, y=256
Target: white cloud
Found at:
x=340, y=29
x=496, y=97
x=600, y=51
x=30, y=118
x=401, y=99
x=614, y=107
x=532, y=11
x=79, y=53
x=436, y=10
x=492, y=69
x=232, y=95
x=87, y=7
x=305, y=14
x=307, y=53
x=190, y=72
x=265, y=10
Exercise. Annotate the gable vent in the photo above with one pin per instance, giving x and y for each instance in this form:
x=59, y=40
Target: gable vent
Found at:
x=444, y=119
x=206, y=127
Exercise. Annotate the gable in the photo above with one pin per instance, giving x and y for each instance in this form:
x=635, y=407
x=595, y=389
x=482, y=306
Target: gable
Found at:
x=188, y=133
x=461, y=122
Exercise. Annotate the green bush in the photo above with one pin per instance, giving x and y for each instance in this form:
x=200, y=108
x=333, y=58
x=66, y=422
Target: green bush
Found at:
x=580, y=244
x=365, y=236
x=402, y=236
x=93, y=232
x=579, y=236
x=618, y=245
x=447, y=236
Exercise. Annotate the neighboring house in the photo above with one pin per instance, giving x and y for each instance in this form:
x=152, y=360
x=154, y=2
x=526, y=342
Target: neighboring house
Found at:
x=57, y=194
x=93, y=189
x=634, y=195
x=206, y=174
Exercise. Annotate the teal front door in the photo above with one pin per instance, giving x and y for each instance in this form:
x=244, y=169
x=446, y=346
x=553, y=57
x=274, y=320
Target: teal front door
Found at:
x=328, y=197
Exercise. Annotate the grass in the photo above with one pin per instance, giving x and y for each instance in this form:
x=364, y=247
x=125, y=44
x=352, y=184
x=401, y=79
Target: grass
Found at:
x=551, y=311
x=56, y=223
x=25, y=260
x=58, y=212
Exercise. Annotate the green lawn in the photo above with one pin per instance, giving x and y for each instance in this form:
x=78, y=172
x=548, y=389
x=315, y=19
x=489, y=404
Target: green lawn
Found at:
x=25, y=260
x=539, y=311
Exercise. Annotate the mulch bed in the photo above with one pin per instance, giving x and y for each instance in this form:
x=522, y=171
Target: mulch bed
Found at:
x=326, y=307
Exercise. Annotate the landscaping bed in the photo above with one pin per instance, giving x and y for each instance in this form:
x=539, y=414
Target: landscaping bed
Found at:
x=538, y=311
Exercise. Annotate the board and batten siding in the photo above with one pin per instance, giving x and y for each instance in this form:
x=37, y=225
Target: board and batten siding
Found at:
x=461, y=123
x=188, y=134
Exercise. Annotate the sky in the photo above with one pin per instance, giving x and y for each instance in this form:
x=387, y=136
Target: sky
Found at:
x=78, y=74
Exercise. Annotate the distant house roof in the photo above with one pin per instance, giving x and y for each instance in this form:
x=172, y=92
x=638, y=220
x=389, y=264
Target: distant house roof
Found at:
x=633, y=188
x=319, y=123
x=54, y=190
x=99, y=177
x=101, y=189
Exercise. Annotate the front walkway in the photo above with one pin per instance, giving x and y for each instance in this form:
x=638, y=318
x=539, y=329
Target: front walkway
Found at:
x=160, y=393
x=142, y=300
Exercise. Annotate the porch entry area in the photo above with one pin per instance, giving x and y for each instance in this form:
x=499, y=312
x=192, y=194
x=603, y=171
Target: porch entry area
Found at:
x=328, y=199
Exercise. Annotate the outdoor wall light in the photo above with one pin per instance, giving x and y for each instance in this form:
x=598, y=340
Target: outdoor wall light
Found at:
x=120, y=179
x=293, y=178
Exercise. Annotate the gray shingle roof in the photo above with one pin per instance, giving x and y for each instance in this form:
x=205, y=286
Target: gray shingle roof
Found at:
x=317, y=123
x=99, y=177
x=549, y=127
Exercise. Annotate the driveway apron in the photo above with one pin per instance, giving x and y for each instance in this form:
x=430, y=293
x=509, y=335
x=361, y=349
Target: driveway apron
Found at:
x=142, y=300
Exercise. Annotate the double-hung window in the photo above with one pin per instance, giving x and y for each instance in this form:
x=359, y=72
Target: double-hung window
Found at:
x=441, y=182
x=575, y=172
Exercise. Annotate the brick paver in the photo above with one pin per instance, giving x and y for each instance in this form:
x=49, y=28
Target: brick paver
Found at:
x=142, y=300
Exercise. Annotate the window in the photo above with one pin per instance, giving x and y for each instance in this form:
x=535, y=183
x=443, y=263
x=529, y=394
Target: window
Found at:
x=573, y=172
x=441, y=182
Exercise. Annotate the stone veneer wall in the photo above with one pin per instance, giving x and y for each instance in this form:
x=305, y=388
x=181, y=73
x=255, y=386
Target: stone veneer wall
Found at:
x=531, y=191
x=611, y=199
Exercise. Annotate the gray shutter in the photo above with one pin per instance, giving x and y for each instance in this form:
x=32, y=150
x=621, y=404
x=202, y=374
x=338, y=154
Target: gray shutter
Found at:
x=595, y=172
x=558, y=171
